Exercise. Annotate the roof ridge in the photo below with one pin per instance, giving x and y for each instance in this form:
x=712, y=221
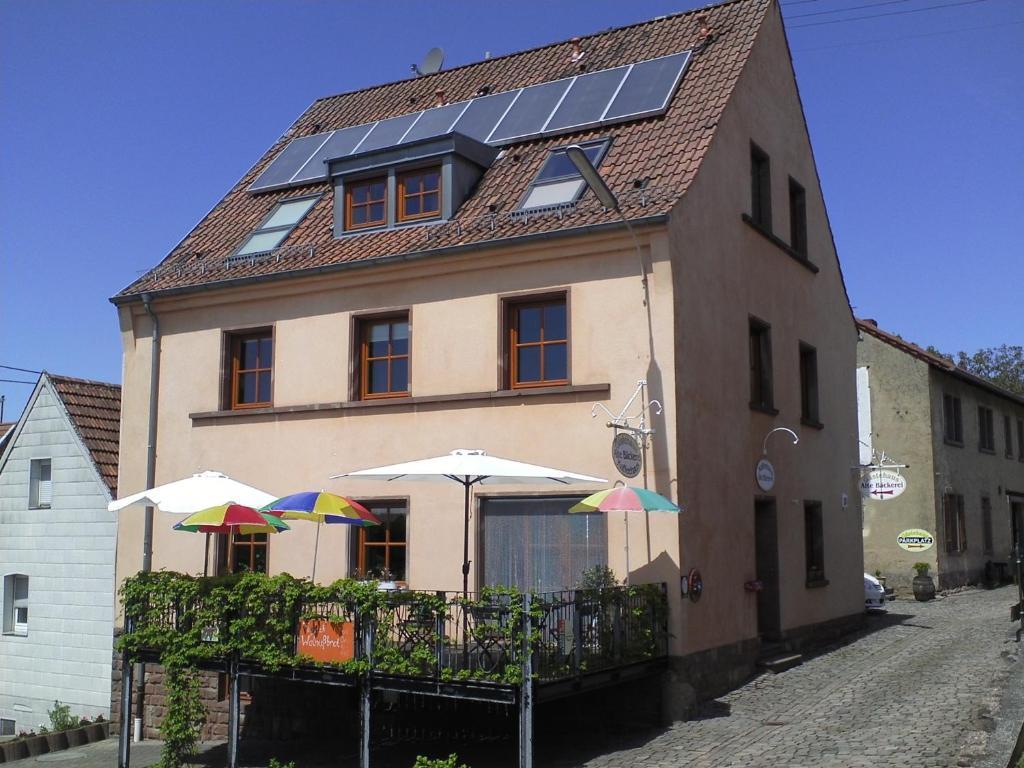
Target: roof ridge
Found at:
x=77, y=380
x=525, y=51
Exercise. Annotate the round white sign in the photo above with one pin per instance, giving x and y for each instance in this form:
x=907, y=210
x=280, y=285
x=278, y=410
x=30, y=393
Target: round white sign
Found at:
x=882, y=485
x=626, y=454
x=765, y=475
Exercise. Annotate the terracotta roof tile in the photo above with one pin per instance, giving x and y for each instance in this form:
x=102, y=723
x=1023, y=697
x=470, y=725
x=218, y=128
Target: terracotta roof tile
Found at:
x=666, y=149
x=95, y=410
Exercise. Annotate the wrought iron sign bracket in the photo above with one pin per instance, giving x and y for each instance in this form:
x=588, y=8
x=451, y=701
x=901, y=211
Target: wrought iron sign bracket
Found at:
x=637, y=423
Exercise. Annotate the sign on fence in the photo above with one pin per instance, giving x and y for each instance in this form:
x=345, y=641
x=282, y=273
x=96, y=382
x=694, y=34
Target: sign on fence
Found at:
x=324, y=640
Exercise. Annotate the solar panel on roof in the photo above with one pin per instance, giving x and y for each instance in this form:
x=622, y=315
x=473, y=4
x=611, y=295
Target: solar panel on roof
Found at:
x=435, y=122
x=587, y=99
x=530, y=111
x=648, y=86
x=387, y=133
x=609, y=95
x=288, y=161
x=340, y=144
x=482, y=115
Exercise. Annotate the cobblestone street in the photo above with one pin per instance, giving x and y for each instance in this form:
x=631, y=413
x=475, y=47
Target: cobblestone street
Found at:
x=927, y=685
x=922, y=687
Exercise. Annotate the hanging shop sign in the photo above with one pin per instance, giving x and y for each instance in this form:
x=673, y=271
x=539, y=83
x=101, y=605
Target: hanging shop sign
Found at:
x=327, y=641
x=915, y=540
x=764, y=473
x=626, y=454
x=882, y=484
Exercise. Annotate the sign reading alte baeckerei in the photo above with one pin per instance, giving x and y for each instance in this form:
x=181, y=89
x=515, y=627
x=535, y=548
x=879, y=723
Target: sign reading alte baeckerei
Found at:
x=882, y=484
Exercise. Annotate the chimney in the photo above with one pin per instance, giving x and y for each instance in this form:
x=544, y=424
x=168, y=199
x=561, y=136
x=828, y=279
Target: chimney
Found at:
x=439, y=97
x=870, y=321
x=577, y=51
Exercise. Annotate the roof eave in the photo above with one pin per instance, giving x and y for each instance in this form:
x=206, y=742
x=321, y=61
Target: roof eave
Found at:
x=130, y=298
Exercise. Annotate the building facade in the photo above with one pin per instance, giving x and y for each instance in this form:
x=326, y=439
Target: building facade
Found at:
x=962, y=439
x=58, y=472
x=374, y=292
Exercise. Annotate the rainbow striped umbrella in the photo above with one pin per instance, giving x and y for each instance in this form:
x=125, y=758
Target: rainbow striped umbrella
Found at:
x=320, y=507
x=225, y=518
x=625, y=499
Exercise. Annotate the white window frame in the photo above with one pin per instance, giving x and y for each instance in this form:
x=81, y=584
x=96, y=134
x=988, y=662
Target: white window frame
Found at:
x=40, y=491
x=12, y=604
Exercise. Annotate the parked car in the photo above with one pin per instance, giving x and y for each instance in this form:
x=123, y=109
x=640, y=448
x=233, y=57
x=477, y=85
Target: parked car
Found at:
x=874, y=594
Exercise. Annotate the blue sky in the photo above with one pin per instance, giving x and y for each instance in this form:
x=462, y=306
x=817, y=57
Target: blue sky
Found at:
x=123, y=123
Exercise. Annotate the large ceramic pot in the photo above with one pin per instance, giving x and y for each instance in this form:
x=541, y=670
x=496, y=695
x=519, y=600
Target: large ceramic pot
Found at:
x=924, y=588
x=57, y=741
x=97, y=731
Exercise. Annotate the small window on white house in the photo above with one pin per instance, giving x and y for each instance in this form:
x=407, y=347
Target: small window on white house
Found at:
x=40, y=490
x=277, y=226
x=15, y=604
x=6, y=726
x=558, y=182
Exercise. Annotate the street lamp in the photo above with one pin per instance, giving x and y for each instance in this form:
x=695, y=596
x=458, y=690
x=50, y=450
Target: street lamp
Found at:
x=608, y=200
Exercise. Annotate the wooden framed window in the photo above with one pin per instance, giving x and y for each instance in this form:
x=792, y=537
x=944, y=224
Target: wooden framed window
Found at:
x=814, y=543
x=384, y=356
x=366, y=203
x=797, y=218
x=419, y=194
x=954, y=523
x=380, y=550
x=242, y=553
x=1020, y=439
x=40, y=487
x=809, y=385
x=251, y=357
x=1008, y=436
x=986, y=430
x=952, y=420
x=537, y=353
x=761, y=397
x=760, y=188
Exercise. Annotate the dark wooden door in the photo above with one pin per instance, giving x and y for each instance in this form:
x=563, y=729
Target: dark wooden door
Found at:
x=766, y=552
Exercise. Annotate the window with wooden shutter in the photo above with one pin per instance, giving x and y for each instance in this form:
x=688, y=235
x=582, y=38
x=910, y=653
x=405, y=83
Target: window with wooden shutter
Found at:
x=40, y=492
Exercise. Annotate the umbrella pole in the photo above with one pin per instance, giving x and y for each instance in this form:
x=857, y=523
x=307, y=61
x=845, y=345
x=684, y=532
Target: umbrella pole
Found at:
x=206, y=558
x=465, y=545
x=316, y=548
x=625, y=519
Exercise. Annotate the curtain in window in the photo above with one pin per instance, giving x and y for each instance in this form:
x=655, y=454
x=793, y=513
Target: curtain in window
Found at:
x=536, y=544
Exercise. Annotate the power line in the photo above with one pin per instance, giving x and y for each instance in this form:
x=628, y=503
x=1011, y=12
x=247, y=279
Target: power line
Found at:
x=909, y=37
x=851, y=8
x=22, y=370
x=15, y=381
x=889, y=13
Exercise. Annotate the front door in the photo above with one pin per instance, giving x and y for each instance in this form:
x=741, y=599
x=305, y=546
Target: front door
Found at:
x=1017, y=538
x=766, y=553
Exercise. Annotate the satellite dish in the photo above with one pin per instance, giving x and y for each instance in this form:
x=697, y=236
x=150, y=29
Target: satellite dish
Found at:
x=431, y=63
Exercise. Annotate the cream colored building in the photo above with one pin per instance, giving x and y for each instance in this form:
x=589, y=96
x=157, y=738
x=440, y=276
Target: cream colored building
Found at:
x=370, y=295
x=962, y=439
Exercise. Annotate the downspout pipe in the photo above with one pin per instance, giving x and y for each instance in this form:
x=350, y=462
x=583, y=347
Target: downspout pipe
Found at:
x=147, y=535
x=154, y=394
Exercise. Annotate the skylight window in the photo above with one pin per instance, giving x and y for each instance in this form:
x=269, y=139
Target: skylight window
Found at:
x=558, y=182
x=277, y=226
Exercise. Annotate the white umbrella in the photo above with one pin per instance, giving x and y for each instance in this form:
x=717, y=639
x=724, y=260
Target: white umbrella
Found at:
x=469, y=468
x=193, y=494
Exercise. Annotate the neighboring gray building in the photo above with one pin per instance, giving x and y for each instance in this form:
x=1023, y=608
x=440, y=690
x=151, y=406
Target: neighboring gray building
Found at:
x=58, y=472
x=962, y=439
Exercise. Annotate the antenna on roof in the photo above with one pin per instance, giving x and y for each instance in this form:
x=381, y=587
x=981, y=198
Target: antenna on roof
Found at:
x=431, y=63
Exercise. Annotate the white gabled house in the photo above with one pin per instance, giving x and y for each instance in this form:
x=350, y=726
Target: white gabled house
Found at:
x=58, y=472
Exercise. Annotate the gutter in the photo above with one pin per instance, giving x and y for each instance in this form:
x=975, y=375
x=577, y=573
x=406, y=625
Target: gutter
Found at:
x=412, y=256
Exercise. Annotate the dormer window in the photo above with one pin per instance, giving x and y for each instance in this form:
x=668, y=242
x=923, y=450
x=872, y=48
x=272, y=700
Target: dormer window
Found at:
x=419, y=194
x=277, y=226
x=558, y=182
x=366, y=203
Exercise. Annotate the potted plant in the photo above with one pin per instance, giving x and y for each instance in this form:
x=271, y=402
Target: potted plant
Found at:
x=79, y=735
x=35, y=745
x=13, y=750
x=387, y=582
x=98, y=729
x=55, y=740
x=880, y=577
x=924, y=587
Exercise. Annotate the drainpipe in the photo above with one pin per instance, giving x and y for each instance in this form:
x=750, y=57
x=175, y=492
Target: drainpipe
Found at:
x=147, y=535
